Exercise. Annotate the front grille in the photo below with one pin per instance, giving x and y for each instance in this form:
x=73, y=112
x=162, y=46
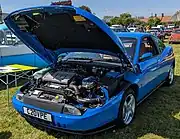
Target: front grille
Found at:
x=50, y=106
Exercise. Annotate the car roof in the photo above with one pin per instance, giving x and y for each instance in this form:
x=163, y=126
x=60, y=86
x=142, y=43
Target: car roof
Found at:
x=137, y=35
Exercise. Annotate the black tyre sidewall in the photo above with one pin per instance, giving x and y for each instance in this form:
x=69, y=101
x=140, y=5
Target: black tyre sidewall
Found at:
x=119, y=121
x=168, y=80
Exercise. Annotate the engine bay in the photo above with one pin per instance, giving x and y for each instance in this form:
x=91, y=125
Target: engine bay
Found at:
x=72, y=86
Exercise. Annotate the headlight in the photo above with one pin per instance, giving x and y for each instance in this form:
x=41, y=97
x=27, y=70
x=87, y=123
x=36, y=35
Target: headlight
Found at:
x=20, y=96
x=68, y=109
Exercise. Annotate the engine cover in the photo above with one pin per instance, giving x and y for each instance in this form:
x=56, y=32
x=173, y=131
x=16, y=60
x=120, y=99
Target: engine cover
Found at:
x=59, y=77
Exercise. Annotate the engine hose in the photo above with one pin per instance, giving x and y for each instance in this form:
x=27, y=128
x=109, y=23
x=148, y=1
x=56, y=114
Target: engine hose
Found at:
x=75, y=88
x=88, y=100
x=68, y=89
x=82, y=100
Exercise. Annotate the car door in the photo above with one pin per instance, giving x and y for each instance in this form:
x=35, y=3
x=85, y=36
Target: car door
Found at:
x=164, y=59
x=148, y=64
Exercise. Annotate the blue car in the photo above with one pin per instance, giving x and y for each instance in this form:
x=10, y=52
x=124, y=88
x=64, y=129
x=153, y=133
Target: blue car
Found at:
x=81, y=94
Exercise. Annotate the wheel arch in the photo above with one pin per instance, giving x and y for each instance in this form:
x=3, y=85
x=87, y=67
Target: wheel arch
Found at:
x=135, y=87
x=119, y=120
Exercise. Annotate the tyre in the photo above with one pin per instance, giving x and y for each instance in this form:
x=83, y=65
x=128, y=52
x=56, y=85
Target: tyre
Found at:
x=170, y=78
x=127, y=109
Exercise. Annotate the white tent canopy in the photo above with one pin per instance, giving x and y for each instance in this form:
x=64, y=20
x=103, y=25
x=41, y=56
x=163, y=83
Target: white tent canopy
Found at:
x=176, y=16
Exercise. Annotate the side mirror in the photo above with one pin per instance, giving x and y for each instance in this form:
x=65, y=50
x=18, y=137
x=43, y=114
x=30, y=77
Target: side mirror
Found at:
x=146, y=56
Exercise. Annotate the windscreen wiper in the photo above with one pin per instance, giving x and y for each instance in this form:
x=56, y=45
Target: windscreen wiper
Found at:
x=87, y=60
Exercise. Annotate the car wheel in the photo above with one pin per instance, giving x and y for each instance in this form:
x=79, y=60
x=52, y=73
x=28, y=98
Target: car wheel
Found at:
x=170, y=78
x=127, y=108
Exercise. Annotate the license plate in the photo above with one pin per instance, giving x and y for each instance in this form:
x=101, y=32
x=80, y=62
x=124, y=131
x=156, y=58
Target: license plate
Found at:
x=38, y=114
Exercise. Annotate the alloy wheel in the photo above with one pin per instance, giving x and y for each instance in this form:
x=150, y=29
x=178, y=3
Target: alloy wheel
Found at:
x=129, y=109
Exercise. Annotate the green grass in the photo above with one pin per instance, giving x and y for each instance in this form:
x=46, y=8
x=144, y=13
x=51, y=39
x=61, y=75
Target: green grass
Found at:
x=157, y=118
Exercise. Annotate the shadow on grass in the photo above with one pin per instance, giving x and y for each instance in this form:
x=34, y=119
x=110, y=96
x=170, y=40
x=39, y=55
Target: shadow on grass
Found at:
x=155, y=115
x=5, y=135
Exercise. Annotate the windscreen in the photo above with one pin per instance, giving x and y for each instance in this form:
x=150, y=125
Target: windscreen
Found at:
x=130, y=45
x=88, y=56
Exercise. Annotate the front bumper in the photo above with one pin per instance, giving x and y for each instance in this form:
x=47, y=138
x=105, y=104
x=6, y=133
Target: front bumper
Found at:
x=92, y=121
x=39, y=123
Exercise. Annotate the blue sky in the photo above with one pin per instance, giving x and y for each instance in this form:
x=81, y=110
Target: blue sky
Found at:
x=106, y=7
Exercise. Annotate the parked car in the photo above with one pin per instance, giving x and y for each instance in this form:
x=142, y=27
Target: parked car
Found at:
x=133, y=29
x=13, y=51
x=175, y=36
x=119, y=29
x=168, y=31
x=171, y=26
x=157, y=32
x=85, y=95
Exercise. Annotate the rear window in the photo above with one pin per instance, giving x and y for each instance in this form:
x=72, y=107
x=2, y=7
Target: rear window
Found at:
x=130, y=45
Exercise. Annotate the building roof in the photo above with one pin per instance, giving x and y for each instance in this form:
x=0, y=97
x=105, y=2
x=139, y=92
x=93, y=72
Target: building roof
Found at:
x=165, y=19
x=144, y=19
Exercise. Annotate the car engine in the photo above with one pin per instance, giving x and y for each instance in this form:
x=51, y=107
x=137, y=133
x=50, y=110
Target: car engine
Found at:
x=71, y=86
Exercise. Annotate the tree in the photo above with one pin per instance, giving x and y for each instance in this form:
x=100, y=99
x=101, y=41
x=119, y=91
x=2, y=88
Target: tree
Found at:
x=85, y=8
x=114, y=20
x=139, y=22
x=153, y=21
x=124, y=19
x=157, y=21
x=107, y=18
x=177, y=23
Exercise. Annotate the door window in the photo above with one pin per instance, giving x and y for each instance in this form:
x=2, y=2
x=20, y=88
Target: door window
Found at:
x=148, y=47
x=159, y=44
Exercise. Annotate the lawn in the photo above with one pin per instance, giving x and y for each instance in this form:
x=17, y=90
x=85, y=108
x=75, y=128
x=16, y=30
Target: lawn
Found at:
x=157, y=118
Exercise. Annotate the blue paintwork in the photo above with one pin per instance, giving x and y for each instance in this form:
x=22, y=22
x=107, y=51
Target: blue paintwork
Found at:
x=148, y=76
x=23, y=59
x=91, y=119
x=153, y=71
x=146, y=55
